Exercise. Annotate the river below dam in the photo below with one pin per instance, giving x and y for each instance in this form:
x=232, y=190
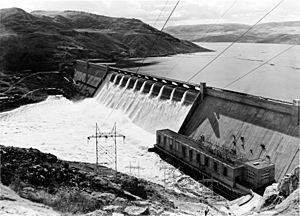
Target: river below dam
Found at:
x=61, y=127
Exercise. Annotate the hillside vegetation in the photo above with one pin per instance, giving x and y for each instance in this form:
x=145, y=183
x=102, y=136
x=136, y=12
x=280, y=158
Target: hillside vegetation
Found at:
x=274, y=32
x=76, y=188
x=41, y=39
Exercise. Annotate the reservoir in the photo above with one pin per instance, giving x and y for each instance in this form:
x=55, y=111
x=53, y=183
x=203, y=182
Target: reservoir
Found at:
x=277, y=79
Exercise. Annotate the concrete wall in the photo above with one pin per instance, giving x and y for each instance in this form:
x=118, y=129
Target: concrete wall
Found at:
x=89, y=77
x=177, y=144
x=259, y=177
x=268, y=127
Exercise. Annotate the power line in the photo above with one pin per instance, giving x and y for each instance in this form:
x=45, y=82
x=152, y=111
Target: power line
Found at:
x=157, y=18
x=254, y=69
x=161, y=12
x=230, y=45
x=218, y=20
x=154, y=41
x=170, y=16
x=206, y=32
x=113, y=134
x=150, y=48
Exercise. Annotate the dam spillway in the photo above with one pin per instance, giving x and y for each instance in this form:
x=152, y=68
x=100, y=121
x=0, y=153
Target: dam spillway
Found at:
x=269, y=129
x=150, y=102
x=147, y=103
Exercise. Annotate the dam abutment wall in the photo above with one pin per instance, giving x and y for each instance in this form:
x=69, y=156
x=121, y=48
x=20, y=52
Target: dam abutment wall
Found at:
x=296, y=111
x=89, y=77
x=254, y=127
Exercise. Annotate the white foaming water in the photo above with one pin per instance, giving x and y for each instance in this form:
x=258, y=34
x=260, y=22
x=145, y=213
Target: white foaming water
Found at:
x=143, y=87
x=172, y=94
x=61, y=127
x=135, y=84
x=183, y=97
x=148, y=112
x=127, y=83
x=151, y=89
x=160, y=92
x=120, y=83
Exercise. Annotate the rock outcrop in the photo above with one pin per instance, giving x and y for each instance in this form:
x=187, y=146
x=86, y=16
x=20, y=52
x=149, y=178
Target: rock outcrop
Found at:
x=289, y=183
x=278, y=193
x=74, y=187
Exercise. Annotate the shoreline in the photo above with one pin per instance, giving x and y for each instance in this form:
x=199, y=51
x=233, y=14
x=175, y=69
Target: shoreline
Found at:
x=32, y=87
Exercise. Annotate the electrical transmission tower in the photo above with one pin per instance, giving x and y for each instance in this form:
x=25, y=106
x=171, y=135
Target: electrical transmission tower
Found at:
x=134, y=168
x=102, y=148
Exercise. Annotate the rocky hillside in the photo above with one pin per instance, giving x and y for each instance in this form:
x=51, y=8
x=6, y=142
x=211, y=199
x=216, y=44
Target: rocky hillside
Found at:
x=39, y=40
x=75, y=188
x=12, y=204
x=275, y=32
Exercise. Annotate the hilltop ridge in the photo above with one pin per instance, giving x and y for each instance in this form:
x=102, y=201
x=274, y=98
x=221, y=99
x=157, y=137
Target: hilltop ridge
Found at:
x=41, y=39
x=272, y=32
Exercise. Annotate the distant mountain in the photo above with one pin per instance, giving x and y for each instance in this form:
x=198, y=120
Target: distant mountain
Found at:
x=41, y=39
x=274, y=32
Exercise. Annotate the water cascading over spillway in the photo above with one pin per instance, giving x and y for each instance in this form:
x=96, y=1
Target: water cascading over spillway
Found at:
x=60, y=127
x=151, y=105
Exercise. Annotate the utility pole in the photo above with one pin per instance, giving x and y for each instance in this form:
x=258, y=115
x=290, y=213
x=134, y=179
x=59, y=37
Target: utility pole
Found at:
x=115, y=139
x=114, y=135
x=133, y=168
x=97, y=148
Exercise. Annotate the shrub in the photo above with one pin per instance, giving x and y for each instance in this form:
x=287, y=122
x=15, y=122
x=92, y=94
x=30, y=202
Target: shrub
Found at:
x=75, y=202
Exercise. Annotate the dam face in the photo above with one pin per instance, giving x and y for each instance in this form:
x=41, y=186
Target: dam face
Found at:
x=255, y=127
x=150, y=102
x=147, y=103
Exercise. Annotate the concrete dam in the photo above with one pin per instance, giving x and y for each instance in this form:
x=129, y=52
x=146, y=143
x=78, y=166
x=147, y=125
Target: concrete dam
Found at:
x=150, y=102
x=254, y=127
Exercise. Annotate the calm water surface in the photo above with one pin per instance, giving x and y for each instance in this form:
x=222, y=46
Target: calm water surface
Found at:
x=278, y=79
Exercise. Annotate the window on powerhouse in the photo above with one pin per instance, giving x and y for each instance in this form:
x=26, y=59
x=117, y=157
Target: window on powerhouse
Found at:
x=206, y=161
x=183, y=151
x=177, y=145
x=198, y=158
x=171, y=143
x=216, y=166
x=191, y=154
x=225, y=171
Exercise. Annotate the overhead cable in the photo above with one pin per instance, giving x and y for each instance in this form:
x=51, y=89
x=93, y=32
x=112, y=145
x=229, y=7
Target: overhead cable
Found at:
x=254, y=69
x=206, y=32
x=154, y=41
x=231, y=44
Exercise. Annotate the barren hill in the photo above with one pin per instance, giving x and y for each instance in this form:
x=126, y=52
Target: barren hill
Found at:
x=273, y=32
x=41, y=39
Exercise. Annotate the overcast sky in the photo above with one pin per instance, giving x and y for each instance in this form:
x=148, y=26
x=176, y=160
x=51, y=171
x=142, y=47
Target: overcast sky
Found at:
x=155, y=12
